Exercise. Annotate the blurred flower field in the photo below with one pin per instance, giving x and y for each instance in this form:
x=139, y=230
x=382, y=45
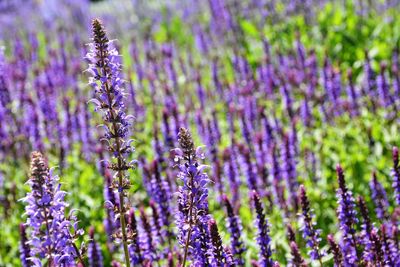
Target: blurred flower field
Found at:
x=199, y=133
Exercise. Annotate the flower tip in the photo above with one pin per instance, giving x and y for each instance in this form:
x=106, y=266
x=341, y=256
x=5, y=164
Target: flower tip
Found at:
x=395, y=153
x=91, y=232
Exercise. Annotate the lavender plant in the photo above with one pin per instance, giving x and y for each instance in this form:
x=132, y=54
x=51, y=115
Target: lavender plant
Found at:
x=310, y=234
x=50, y=236
x=192, y=200
x=105, y=67
x=347, y=220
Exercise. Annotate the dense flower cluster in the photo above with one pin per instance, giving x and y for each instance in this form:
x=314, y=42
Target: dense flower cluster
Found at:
x=192, y=199
x=105, y=67
x=50, y=237
x=310, y=234
x=268, y=110
x=347, y=220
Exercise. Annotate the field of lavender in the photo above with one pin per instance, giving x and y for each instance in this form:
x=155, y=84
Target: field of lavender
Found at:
x=199, y=133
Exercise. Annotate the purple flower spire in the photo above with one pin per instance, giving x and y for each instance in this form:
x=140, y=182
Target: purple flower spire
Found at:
x=156, y=226
x=192, y=199
x=379, y=197
x=367, y=227
x=297, y=260
x=249, y=168
x=147, y=239
x=234, y=227
x=370, y=80
x=94, y=251
x=263, y=239
x=217, y=250
x=310, y=234
x=105, y=67
x=291, y=235
x=134, y=248
x=396, y=175
x=231, y=172
x=383, y=88
x=289, y=170
x=390, y=250
x=24, y=249
x=352, y=94
x=50, y=236
x=347, y=220
x=378, y=258
x=161, y=193
x=335, y=250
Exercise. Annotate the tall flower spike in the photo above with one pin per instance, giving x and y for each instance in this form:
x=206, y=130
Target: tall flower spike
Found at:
x=379, y=197
x=297, y=260
x=366, y=230
x=234, y=227
x=105, y=67
x=134, y=247
x=311, y=234
x=335, y=250
x=94, y=251
x=347, y=220
x=193, y=215
x=24, y=249
x=217, y=250
x=263, y=239
x=50, y=236
x=396, y=174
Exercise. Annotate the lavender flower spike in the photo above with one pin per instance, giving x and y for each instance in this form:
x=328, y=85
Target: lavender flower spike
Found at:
x=396, y=174
x=105, y=67
x=297, y=260
x=94, y=251
x=379, y=197
x=192, y=199
x=310, y=234
x=50, y=237
x=24, y=249
x=234, y=227
x=263, y=239
x=217, y=250
x=335, y=250
x=347, y=220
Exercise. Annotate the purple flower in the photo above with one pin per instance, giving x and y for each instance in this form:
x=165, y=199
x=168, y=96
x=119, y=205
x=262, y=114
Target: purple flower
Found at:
x=134, y=248
x=377, y=254
x=289, y=170
x=231, y=172
x=296, y=260
x=161, y=194
x=24, y=249
x=335, y=250
x=379, y=197
x=310, y=234
x=234, y=227
x=147, y=242
x=389, y=247
x=396, y=175
x=263, y=239
x=217, y=252
x=193, y=216
x=50, y=237
x=368, y=253
x=347, y=220
x=94, y=251
x=105, y=67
